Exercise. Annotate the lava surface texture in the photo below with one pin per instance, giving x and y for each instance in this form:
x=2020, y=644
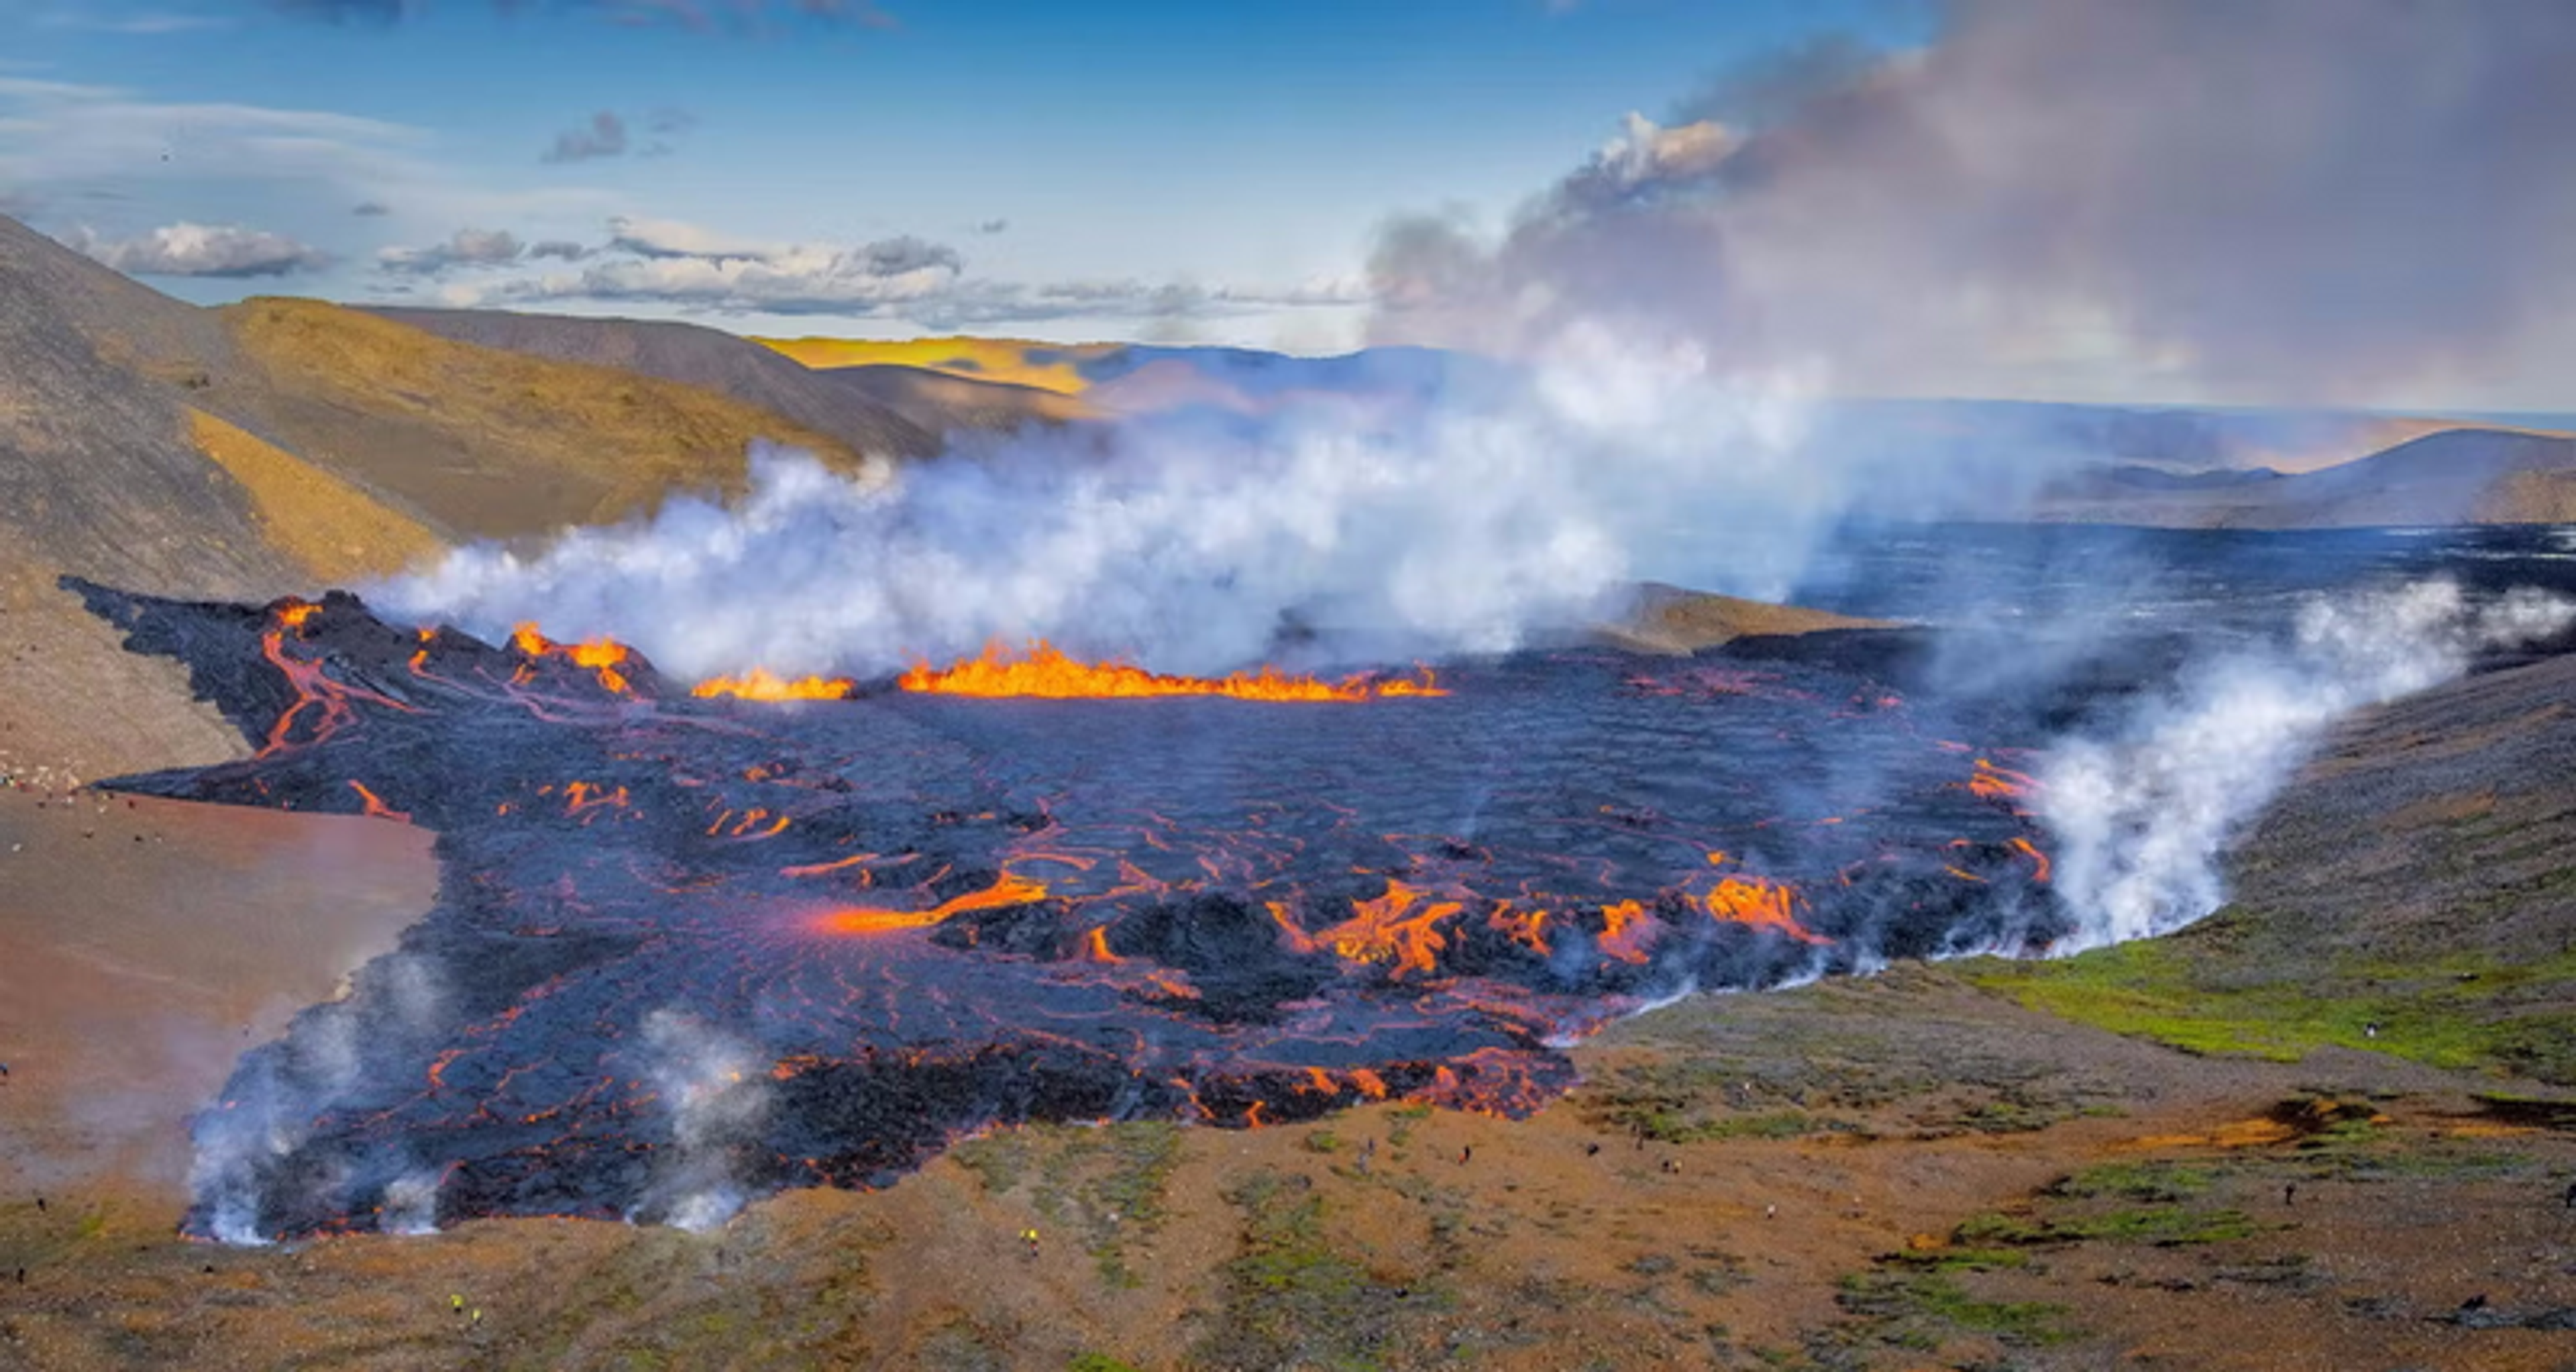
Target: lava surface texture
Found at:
x=692, y=950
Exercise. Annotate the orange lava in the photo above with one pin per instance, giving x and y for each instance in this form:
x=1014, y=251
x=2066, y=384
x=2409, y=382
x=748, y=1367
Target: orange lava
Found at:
x=2030, y=850
x=1046, y=672
x=376, y=807
x=328, y=701
x=1389, y=929
x=1625, y=930
x=762, y=684
x=1005, y=890
x=1763, y=904
x=1999, y=783
x=602, y=656
x=1528, y=928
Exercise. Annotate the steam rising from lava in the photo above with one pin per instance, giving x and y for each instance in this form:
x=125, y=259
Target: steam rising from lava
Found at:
x=2140, y=819
x=1187, y=543
x=716, y=1088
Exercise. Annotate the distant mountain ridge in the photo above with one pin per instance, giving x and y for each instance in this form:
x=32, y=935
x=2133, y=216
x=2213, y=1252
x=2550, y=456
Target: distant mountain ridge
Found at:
x=2452, y=476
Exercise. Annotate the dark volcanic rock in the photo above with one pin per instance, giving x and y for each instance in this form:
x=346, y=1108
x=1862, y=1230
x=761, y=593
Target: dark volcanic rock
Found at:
x=687, y=950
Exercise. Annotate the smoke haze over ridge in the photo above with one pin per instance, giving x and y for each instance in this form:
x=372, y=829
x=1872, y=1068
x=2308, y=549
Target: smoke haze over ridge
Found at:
x=1190, y=542
x=2284, y=201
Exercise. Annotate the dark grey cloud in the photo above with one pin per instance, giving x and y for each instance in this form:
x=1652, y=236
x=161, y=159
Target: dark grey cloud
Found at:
x=993, y=226
x=557, y=248
x=2251, y=199
x=891, y=256
x=202, y=250
x=370, y=209
x=610, y=134
x=603, y=136
x=469, y=248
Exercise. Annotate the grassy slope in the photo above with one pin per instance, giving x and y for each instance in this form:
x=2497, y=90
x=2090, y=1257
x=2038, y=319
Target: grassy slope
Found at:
x=2412, y=895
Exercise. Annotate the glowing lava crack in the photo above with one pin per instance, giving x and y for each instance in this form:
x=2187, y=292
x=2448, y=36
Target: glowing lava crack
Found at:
x=689, y=950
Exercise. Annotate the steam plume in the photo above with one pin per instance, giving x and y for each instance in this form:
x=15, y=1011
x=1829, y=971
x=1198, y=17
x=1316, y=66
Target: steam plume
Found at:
x=2254, y=200
x=1193, y=544
x=2141, y=819
x=716, y=1088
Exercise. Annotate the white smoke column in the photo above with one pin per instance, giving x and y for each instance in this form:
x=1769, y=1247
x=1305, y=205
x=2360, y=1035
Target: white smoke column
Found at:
x=267, y=1116
x=271, y=1103
x=411, y=1203
x=1188, y=542
x=2140, y=820
x=717, y=1091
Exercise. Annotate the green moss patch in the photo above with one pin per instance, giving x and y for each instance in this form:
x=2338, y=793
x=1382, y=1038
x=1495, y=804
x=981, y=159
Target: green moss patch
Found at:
x=2230, y=986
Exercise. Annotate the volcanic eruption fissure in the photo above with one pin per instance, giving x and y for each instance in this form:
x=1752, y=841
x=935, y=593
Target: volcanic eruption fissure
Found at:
x=689, y=949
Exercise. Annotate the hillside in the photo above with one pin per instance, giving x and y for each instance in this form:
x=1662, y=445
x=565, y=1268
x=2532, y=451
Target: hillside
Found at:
x=944, y=401
x=2454, y=475
x=694, y=355
x=279, y=446
x=1011, y=361
x=484, y=443
x=1668, y=619
x=100, y=475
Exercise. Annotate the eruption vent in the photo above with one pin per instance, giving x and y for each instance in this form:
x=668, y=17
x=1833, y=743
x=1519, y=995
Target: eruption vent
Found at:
x=1045, y=672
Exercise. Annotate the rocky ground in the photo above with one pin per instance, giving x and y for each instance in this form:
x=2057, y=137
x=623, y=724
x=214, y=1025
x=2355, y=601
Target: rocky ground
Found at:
x=2329, y=1128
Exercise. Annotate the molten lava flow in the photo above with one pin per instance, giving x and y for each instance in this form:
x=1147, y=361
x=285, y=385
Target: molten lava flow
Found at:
x=1625, y=930
x=1999, y=783
x=602, y=656
x=761, y=684
x=321, y=704
x=1762, y=904
x=1005, y=890
x=1045, y=671
x=746, y=897
x=1386, y=929
x=1528, y=928
x=376, y=807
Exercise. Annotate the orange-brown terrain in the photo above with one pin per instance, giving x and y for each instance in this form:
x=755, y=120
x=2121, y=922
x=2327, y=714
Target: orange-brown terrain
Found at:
x=2331, y=1126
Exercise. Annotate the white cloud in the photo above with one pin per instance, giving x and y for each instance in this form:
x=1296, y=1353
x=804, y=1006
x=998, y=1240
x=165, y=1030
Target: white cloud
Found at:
x=202, y=250
x=685, y=266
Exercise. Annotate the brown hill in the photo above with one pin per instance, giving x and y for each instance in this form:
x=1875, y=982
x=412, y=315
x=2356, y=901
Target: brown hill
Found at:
x=940, y=401
x=482, y=442
x=99, y=475
x=277, y=446
x=2459, y=475
x=1668, y=619
x=711, y=359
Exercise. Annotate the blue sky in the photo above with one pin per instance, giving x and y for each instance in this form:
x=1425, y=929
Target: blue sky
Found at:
x=1044, y=169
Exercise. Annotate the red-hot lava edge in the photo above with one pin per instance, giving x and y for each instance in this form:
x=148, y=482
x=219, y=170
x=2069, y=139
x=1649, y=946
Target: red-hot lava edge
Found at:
x=694, y=947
